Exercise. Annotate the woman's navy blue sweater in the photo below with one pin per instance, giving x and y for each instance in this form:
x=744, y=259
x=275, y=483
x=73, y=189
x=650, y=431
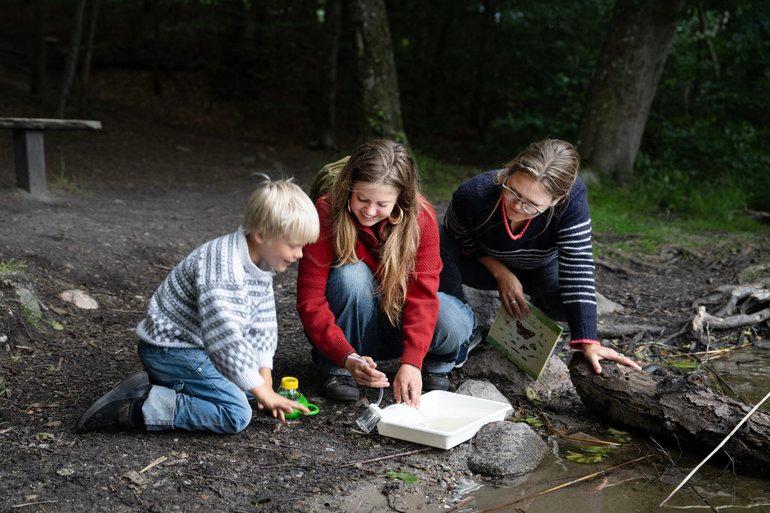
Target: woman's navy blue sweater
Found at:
x=476, y=218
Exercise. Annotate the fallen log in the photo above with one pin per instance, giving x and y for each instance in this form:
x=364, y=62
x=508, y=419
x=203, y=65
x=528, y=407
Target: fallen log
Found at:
x=680, y=410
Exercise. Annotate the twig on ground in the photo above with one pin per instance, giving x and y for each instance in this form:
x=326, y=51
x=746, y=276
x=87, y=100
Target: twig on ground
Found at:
x=154, y=464
x=722, y=443
x=615, y=267
x=389, y=456
x=25, y=504
x=461, y=504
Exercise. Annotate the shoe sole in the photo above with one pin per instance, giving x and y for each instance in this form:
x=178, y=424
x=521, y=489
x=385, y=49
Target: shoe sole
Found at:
x=140, y=379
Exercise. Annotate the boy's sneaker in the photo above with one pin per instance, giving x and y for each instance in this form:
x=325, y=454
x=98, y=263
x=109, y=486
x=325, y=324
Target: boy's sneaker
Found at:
x=477, y=336
x=435, y=381
x=119, y=408
x=341, y=388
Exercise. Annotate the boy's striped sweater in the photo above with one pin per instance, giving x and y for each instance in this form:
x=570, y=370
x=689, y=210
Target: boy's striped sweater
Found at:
x=216, y=299
x=481, y=231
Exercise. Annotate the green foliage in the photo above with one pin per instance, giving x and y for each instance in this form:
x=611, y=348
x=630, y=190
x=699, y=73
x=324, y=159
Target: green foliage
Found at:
x=533, y=421
x=12, y=266
x=439, y=179
x=406, y=477
x=619, y=436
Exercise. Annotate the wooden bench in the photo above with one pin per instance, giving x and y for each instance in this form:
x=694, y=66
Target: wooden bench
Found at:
x=29, y=149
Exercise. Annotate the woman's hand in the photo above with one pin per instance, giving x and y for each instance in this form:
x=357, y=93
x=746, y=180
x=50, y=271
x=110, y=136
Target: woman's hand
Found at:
x=278, y=405
x=364, y=371
x=407, y=386
x=596, y=352
x=511, y=293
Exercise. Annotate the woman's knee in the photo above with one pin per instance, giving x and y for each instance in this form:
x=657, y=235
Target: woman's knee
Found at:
x=454, y=324
x=349, y=283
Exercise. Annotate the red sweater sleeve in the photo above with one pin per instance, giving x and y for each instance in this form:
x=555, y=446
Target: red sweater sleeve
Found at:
x=420, y=313
x=312, y=306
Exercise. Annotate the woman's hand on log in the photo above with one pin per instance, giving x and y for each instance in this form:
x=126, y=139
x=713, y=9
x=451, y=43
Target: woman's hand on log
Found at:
x=596, y=352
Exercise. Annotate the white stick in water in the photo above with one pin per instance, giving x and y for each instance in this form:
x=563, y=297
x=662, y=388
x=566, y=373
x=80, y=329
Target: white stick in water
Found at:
x=736, y=428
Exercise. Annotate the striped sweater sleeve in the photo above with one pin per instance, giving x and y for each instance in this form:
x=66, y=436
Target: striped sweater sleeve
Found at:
x=576, y=270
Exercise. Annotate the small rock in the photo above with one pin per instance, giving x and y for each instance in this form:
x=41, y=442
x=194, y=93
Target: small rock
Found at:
x=80, y=299
x=606, y=306
x=506, y=449
x=483, y=390
x=489, y=364
x=3, y=339
x=66, y=471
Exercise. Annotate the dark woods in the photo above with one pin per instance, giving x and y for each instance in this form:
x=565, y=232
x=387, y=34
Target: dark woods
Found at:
x=668, y=93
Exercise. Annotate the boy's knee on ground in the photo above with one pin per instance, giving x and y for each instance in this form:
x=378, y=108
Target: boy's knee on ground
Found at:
x=237, y=417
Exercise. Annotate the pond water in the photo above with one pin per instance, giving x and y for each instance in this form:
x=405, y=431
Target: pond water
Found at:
x=640, y=487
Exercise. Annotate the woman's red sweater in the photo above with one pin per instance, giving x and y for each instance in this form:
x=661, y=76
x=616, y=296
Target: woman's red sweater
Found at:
x=420, y=311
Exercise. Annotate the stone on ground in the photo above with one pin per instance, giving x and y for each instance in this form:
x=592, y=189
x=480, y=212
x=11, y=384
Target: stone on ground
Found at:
x=483, y=390
x=506, y=449
x=80, y=299
x=605, y=306
x=489, y=364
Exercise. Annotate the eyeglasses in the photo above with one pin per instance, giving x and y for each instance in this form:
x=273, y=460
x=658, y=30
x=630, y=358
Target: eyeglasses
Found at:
x=527, y=207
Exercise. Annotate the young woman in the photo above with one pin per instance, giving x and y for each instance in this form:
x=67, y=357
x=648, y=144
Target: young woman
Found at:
x=368, y=288
x=526, y=229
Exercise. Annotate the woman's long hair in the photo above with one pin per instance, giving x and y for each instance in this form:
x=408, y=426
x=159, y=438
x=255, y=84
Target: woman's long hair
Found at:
x=381, y=163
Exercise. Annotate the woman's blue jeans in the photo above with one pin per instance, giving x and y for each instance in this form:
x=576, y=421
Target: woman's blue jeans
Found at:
x=351, y=293
x=189, y=393
x=541, y=284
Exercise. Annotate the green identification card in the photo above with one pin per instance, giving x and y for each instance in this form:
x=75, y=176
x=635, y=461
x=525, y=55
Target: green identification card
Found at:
x=529, y=342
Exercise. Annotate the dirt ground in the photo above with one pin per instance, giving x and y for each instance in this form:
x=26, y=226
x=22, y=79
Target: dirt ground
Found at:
x=127, y=204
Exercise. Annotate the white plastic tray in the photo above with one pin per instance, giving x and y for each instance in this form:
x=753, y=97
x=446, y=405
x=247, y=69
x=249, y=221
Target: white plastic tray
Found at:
x=443, y=420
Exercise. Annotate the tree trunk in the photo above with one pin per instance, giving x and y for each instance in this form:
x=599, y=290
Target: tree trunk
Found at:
x=376, y=69
x=479, y=79
x=436, y=65
x=624, y=83
x=72, y=57
x=86, y=71
x=329, y=82
x=677, y=410
x=38, y=78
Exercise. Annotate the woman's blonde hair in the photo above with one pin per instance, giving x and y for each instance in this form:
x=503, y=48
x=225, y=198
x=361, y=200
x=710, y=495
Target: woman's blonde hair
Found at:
x=381, y=163
x=551, y=162
x=280, y=208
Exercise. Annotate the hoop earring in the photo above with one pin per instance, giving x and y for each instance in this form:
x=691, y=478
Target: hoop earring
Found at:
x=349, y=207
x=400, y=216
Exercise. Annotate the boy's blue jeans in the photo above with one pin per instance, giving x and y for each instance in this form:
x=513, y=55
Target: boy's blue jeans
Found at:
x=189, y=393
x=352, y=297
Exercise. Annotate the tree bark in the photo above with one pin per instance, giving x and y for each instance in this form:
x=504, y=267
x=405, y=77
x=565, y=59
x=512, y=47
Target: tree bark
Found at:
x=72, y=57
x=436, y=65
x=376, y=69
x=86, y=70
x=38, y=75
x=479, y=79
x=624, y=83
x=329, y=82
x=677, y=410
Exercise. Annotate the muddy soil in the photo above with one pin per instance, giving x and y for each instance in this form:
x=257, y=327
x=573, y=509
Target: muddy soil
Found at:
x=126, y=204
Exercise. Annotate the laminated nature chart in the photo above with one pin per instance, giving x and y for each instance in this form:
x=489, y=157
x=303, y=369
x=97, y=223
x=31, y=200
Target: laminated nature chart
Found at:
x=529, y=342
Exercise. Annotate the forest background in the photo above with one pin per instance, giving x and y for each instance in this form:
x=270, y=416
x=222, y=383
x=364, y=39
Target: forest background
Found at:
x=667, y=101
